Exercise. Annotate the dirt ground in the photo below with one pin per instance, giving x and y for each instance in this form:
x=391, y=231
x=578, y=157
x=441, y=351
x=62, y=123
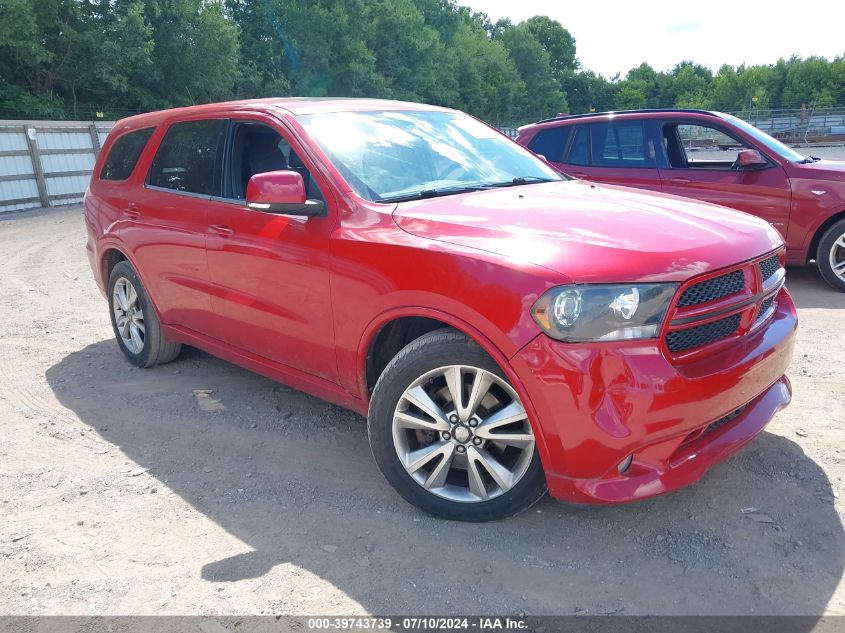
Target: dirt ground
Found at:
x=126, y=491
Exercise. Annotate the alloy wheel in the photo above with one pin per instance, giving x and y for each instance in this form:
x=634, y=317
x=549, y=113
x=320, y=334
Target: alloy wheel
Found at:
x=128, y=315
x=462, y=433
x=837, y=257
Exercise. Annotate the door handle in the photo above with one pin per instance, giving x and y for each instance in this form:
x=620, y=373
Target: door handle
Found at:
x=132, y=212
x=221, y=230
x=680, y=181
x=578, y=174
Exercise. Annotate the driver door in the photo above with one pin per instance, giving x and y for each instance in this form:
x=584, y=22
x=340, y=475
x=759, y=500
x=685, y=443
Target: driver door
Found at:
x=700, y=162
x=270, y=273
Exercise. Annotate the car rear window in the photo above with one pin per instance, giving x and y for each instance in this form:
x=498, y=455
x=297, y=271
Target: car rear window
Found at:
x=124, y=154
x=622, y=144
x=551, y=143
x=190, y=157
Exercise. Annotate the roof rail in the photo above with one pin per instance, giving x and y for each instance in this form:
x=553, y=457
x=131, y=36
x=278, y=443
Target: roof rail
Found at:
x=646, y=110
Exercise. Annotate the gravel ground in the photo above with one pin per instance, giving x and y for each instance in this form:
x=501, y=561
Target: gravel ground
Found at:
x=198, y=487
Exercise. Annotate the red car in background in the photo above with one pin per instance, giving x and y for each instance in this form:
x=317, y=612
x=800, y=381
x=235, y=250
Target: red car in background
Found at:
x=712, y=157
x=504, y=328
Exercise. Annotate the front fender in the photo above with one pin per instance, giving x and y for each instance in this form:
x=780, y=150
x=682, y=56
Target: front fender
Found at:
x=489, y=346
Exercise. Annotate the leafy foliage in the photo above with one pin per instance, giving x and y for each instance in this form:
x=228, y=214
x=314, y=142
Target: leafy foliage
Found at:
x=71, y=58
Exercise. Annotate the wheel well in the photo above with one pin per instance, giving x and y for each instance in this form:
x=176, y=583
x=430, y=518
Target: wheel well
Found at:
x=110, y=260
x=393, y=337
x=817, y=236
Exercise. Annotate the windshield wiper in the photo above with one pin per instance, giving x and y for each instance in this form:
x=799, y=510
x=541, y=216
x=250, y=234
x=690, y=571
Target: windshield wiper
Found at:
x=448, y=191
x=520, y=180
x=431, y=193
x=809, y=159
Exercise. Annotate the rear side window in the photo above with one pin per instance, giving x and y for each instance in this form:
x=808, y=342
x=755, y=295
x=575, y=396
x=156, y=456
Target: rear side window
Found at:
x=124, y=154
x=579, y=153
x=190, y=157
x=622, y=144
x=551, y=143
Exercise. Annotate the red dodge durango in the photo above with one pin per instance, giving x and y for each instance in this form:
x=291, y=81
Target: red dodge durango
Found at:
x=505, y=329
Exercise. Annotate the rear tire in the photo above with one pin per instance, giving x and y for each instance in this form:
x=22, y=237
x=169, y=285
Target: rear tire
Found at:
x=135, y=322
x=475, y=460
x=831, y=256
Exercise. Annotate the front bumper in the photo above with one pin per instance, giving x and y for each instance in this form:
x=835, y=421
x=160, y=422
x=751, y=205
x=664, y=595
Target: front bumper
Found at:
x=597, y=404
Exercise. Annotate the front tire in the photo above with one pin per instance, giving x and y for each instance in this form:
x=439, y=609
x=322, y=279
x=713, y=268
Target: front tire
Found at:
x=134, y=320
x=451, y=435
x=831, y=256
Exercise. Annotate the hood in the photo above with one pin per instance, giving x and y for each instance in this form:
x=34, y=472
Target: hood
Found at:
x=590, y=232
x=823, y=169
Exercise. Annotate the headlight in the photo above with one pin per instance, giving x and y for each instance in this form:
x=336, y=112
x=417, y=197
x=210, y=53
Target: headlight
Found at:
x=603, y=312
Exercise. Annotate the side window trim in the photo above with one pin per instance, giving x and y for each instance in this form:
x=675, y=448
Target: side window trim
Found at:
x=730, y=134
x=652, y=131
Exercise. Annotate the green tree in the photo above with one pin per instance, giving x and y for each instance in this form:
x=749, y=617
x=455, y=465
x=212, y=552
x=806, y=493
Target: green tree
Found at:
x=809, y=81
x=488, y=83
x=630, y=97
x=534, y=65
x=262, y=51
x=556, y=41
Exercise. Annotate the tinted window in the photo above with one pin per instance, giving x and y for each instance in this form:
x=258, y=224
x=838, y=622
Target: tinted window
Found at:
x=124, y=154
x=579, y=153
x=551, y=143
x=190, y=157
x=622, y=144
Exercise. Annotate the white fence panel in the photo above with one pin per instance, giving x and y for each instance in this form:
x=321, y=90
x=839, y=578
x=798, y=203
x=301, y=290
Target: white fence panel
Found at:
x=47, y=163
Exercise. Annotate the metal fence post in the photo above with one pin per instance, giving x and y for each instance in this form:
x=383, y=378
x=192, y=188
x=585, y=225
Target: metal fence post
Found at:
x=37, y=166
x=95, y=139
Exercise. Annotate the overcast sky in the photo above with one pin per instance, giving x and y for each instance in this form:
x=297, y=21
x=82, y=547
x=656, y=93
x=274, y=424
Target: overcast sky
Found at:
x=613, y=36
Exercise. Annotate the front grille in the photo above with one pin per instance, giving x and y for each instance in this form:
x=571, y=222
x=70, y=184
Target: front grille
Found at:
x=713, y=289
x=730, y=417
x=681, y=340
x=764, y=307
x=770, y=266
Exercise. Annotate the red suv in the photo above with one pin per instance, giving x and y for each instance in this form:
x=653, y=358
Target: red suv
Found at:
x=503, y=327
x=712, y=157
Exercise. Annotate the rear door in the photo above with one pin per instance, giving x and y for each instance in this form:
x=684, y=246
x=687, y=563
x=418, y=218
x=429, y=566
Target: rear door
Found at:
x=169, y=219
x=701, y=165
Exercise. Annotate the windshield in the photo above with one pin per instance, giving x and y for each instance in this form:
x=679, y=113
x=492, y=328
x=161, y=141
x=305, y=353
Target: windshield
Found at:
x=772, y=144
x=390, y=156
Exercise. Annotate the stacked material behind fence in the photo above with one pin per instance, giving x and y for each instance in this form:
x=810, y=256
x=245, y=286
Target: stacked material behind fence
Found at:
x=47, y=163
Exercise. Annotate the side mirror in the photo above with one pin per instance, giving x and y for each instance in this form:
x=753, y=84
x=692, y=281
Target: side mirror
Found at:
x=280, y=192
x=750, y=159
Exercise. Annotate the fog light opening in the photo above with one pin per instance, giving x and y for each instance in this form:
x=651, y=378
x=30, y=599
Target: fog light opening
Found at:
x=625, y=464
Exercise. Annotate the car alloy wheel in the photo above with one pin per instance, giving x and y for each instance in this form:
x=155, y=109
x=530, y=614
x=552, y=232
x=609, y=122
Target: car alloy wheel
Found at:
x=128, y=315
x=462, y=434
x=837, y=258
